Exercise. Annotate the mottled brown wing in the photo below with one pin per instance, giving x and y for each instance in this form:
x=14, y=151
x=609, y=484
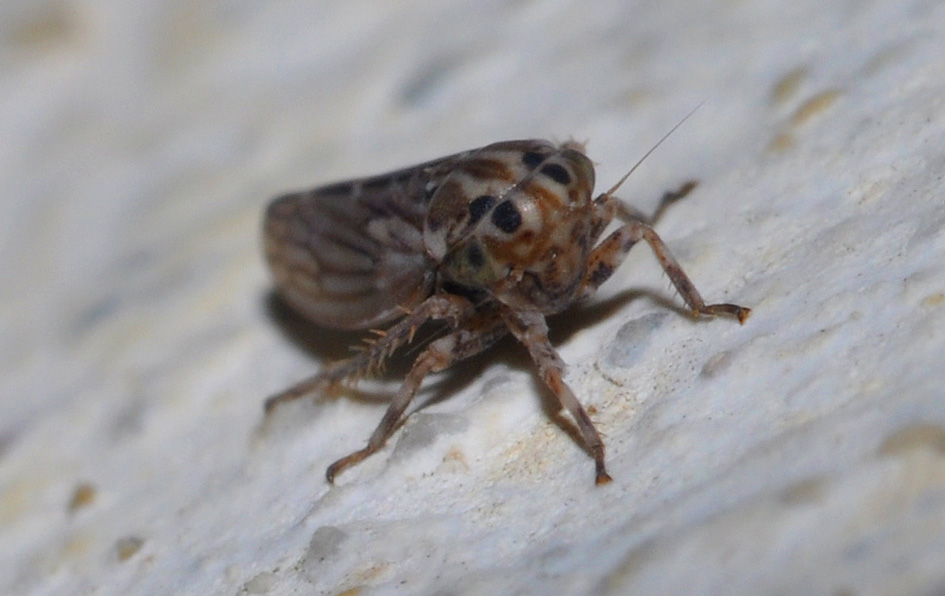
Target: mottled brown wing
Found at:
x=350, y=255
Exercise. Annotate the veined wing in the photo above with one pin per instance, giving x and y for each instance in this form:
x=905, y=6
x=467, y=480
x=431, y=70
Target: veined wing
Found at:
x=350, y=255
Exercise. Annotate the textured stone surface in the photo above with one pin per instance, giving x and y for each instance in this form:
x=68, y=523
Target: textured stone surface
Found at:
x=801, y=453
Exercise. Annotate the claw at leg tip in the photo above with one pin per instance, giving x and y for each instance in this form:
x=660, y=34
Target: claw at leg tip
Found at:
x=602, y=476
x=330, y=474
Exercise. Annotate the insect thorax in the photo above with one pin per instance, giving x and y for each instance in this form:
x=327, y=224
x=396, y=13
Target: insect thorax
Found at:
x=513, y=219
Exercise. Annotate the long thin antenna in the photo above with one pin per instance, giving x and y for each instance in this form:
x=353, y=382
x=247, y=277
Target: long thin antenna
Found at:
x=614, y=188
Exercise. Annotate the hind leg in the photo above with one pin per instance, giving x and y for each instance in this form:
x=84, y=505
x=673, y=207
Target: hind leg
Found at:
x=475, y=335
x=440, y=306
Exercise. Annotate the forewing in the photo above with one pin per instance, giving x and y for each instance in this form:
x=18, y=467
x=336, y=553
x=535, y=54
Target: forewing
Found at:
x=350, y=255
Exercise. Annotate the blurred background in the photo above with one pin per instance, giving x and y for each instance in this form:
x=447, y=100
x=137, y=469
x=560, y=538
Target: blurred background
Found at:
x=141, y=142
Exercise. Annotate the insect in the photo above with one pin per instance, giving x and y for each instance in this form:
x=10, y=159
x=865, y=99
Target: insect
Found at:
x=489, y=241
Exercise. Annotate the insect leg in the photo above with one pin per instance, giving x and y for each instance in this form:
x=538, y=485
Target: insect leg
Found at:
x=606, y=208
x=531, y=330
x=472, y=337
x=440, y=306
x=610, y=253
x=669, y=197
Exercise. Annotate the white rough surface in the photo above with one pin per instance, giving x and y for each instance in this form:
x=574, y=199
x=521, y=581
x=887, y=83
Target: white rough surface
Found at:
x=801, y=453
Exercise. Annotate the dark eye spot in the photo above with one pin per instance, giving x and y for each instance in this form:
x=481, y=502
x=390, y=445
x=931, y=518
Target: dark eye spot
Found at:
x=532, y=160
x=506, y=217
x=557, y=173
x=479, y=207
x=474, y=256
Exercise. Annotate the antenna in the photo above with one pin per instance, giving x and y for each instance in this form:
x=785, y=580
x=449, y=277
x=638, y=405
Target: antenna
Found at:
x=614, y=188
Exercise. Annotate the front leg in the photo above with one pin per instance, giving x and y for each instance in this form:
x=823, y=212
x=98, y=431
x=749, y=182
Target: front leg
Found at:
x=531, y=330
x=610, y=253
x=606, y=207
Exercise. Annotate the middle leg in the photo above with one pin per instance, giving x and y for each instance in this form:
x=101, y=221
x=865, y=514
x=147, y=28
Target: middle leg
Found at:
x=531, y=330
